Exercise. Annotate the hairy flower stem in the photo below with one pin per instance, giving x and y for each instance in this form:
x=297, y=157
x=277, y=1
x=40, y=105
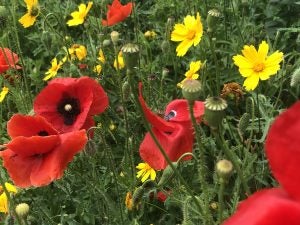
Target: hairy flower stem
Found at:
x=129, y=151
x=113, y=168
x=9, y=199
x=221, y=200
x=17, y=41
x=201, y=162
x=233, y=158
x=130, y=74
x=213, y=52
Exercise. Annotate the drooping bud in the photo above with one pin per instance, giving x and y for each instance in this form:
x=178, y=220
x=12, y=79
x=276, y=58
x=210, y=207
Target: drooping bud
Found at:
x=167, y=174
x=243, y=123
x=137, y=196
x=224, y=169
x=131, y=55
x=214, y=111
x=213, y=16
x=191, y=89
x=295, y=80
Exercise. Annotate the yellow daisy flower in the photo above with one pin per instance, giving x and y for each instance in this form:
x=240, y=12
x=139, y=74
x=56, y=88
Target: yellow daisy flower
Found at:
x=78, y=51
x=101, y=57
x=3, y=93
x=33, y=11
x=3, y=198
x=150, y=34
x=121, y=64
x=257, y=65
x=189, y=33
x=145, y=172
x=79, y=16
x=97, y=69
x=192, y=72
x=53, y=70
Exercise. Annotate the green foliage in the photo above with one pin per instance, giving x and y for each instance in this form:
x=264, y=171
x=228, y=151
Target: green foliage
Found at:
x=93, y=188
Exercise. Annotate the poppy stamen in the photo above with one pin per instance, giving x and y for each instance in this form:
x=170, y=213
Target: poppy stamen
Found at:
x=69, y=109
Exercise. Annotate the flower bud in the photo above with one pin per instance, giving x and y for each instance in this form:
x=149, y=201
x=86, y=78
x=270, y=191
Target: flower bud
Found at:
x=295, y=80
x=191, y=89
x=214, y=111
x=224, y=169
x=114, y=35
x=167, y=174
x=131, y=55
x=165, y=46
x=106, y=42
x=244, y=123
x=22, y=210
x=212, y=19
x=137, y=196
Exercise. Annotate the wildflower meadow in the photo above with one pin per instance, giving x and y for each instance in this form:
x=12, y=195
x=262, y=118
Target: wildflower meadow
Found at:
x=149, y=112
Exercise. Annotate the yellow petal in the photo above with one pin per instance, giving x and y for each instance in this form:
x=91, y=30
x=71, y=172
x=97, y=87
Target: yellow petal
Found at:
x=27, y=20
x=3, y=203
x=246, y=72
x=183, y=47
x=179, y=33
x=11, y=188
x=251, y=82
x=145, y=177
x=250, y=53
x=152, y=174
x=274, y=59
x=141, y=166
x=242, y=62
x=263, y=51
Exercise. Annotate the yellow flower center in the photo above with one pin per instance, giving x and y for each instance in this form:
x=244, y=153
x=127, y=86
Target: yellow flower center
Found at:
x=34, y=11
x=259, y=67
x=191, y=35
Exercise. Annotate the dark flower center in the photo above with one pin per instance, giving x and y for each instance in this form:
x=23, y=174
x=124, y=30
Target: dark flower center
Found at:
x=43, y=133
x=69, y=109
x=170, y=115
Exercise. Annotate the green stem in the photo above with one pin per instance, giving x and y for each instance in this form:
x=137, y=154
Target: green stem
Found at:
x=221, y=200
x=213, y=51
x=162, y=151
x=233, y=158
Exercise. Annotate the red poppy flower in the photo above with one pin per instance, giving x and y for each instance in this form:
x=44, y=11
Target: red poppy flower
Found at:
x=174, y=133
x=70, y=103
x=117, y=13
x=8, y=59
x=37, y=154
x=277, y=206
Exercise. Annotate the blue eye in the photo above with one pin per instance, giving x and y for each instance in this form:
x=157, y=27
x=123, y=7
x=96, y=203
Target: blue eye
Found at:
x=170, y=115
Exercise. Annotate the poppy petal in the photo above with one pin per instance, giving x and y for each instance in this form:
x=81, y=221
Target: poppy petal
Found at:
x=175, y=144
x=27, y=126
x=19, y=167
x=180, y=106
x=283, y=150
x=100, y=99
x=267, y=207
x=33, y=146
x=152, y=118
x=56, y=161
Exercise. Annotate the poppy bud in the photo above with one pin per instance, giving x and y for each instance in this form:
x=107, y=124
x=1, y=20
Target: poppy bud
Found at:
x=167, y=174
x=22, y=210
x=212, y=19
x=106, y=43
x=191, y=90
x=114, y=35
x=295, y=80
x=244, y=122
x=214, y=111
x=126, y=90
x=165, y=46
x=137, y=196
x=90, y=147
x=224, y=169
x=131, y=55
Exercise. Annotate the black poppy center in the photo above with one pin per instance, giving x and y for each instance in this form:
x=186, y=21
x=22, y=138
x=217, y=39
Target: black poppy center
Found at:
x=43, y=133
x=69, y=109
x=170, y=115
